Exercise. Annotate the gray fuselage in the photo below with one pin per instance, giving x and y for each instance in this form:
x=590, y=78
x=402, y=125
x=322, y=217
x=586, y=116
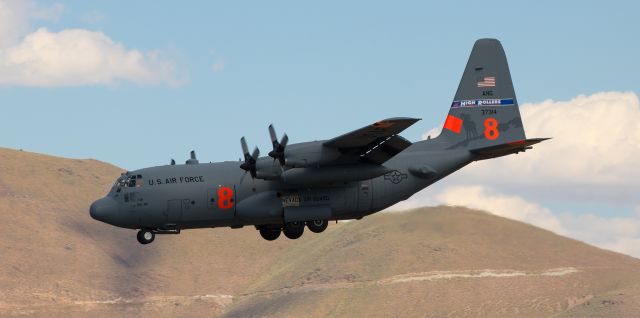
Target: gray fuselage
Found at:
x=189, y=196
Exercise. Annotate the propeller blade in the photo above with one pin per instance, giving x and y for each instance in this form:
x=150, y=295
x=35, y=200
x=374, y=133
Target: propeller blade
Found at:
x=245, y=149
x=255, y=154
x=278, y=147
x=284, y=141
x=272, y=133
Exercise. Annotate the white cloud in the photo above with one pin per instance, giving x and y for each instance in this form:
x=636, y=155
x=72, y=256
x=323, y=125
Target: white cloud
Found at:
x=621, y=234
x=417, y=201
x=71, y=56
x=432, y=133
x=79, y=57
x=15, y=17
x=513, y=207
x=625, y=245
x=592, y=158
x=596, y=140
x=12, y=21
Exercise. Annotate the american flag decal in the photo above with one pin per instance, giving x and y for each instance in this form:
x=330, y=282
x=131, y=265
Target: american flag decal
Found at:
x=487, y=81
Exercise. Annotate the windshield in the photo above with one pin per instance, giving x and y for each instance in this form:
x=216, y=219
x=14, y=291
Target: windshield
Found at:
x=127, y=181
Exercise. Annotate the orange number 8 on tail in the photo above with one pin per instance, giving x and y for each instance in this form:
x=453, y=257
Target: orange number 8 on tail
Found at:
x=491, y=129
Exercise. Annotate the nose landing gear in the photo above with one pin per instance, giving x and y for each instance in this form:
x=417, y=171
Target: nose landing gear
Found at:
x=146, y=236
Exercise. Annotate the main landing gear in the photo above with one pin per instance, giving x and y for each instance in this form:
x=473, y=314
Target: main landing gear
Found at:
x=269, y=232
x=317, y=226
x=292, y=230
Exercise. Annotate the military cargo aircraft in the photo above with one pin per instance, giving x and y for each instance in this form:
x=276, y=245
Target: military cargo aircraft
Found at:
x=306, y=185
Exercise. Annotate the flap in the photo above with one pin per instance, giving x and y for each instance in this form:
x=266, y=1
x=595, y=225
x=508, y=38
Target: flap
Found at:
x=386, y=149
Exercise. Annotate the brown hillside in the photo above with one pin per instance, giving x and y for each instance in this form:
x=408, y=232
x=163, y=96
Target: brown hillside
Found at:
x=443, y=262
x=57, y=261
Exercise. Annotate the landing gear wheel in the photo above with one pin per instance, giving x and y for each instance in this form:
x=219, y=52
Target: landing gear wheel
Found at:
x=270, y=233
x=317, y=226
x=146, y=236
x=293, y=230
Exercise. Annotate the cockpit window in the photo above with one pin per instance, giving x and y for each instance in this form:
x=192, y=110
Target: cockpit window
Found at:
x=127, y=181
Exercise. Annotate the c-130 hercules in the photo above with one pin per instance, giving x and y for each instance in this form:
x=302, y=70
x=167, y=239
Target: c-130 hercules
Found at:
x=310, y=183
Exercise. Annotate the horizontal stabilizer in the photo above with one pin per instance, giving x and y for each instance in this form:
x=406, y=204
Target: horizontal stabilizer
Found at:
x=506, y=149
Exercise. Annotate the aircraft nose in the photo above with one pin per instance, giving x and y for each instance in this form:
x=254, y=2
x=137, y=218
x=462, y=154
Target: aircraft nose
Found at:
x=104, y=209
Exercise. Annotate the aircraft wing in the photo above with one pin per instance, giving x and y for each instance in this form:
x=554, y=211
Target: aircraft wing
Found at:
x=375, y=143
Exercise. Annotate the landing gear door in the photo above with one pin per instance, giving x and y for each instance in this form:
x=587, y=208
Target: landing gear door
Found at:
x=221, y=202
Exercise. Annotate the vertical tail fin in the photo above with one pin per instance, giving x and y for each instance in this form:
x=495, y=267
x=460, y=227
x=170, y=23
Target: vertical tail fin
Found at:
x=484, y=112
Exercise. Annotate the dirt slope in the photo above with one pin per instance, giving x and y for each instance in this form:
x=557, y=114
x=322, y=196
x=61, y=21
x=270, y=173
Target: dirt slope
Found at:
x=443, y=261
x=56, y=259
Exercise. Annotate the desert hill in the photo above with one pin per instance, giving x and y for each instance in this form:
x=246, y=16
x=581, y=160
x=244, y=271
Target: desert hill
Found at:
x=57, y=259
x=442, y=261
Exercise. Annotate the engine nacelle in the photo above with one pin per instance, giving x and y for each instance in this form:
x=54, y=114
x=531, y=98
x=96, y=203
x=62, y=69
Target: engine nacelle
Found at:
x=310, y=154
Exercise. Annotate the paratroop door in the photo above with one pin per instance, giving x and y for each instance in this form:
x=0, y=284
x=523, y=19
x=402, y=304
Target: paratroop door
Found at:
x=174, y=210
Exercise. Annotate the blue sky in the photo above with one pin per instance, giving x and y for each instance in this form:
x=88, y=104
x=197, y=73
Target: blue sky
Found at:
x=313, y=70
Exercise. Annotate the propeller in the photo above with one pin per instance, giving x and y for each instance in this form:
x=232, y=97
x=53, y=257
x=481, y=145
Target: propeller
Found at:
x=278, y=147
x=249, y=163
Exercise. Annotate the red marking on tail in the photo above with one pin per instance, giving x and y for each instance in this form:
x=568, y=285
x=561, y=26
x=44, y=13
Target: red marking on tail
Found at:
x=453, y=123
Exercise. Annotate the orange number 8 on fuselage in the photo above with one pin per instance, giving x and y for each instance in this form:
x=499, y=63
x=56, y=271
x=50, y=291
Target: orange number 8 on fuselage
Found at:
x=225, y=198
